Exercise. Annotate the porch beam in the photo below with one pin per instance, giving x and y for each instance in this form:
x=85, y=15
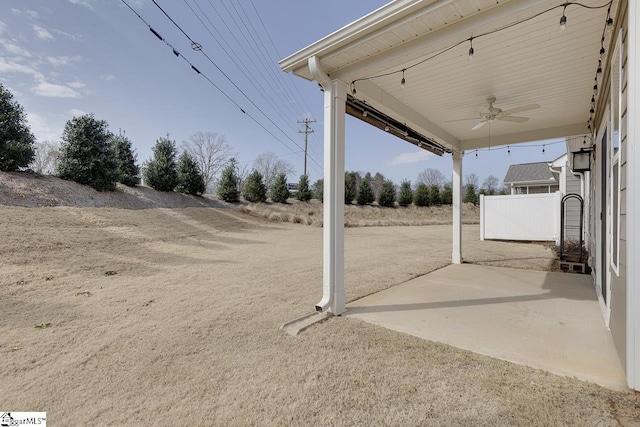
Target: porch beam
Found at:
x=516, y=138
x=456, y=256
x=391, y=106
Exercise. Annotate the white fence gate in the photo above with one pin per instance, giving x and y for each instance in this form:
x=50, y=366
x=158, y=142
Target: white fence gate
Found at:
x=521, y=217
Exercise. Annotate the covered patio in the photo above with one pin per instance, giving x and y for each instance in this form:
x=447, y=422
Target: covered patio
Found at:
x=550, y=321
x=455, y=76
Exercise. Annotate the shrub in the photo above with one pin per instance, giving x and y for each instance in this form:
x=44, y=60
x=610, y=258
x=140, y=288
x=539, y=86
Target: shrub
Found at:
x=349, y=188
x=279, y=192
x=471, y=196
x=228, y=186
x=318, y=190
x=128, y=171
x=365, y=193
x=304, y=193
x=254, y=189
x=434, y=195
x=421, y=196
x=190, y=178
x=406, y=194
x=161, y=173
x=86, y=154
x=446, y=197
x=16, y=139
x=387, y=194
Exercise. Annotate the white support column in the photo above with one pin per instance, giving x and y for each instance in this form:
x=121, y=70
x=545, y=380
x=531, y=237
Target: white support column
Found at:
x=456, y=257
x=333, y=293
x=633, y=197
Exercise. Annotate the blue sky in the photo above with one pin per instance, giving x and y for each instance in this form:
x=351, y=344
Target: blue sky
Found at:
x=62, y=58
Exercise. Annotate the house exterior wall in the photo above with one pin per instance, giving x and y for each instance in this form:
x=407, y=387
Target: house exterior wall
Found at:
x=572, y=207
x=611, y=277
x=617, y=322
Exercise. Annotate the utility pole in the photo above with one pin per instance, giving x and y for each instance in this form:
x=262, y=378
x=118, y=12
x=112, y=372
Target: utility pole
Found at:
x=307, y=130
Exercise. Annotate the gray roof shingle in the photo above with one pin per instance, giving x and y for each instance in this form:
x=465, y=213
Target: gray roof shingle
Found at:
x=528, y=172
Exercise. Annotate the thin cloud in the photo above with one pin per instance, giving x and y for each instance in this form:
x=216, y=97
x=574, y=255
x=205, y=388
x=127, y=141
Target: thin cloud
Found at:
x=85, y=3
x=411, y=157
x=108, y=77
x=42, y=129
x=61, y=60
x=42, y=33
x=76, y=112
x=76, y=85
x=14, y=49
x=52, y=90
x=64, y=33
x=7, y=66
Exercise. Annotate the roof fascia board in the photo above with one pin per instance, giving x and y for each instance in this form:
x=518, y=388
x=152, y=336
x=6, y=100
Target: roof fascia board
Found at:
x=390, y=105
x=369, y=23
x=522, y=137
x=435, y=38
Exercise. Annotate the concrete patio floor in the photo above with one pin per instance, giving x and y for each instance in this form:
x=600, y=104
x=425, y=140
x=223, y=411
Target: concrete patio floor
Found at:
x=550, y=321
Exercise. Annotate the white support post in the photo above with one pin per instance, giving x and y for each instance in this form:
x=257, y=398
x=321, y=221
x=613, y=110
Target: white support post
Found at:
x=335, y=96
x=633, y=197
x=456, y=256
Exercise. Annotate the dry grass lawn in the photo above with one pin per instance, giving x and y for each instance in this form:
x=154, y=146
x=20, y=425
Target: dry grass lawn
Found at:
x=170, y=316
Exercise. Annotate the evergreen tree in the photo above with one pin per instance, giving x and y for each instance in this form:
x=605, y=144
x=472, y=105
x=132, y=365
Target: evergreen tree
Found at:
x=228, y=186
x=421, y=196
x=86, y=154
x=387, y=194
x=434, y=195
x=128, y=171
x=349, y=188
x=446, y=197
x=471, y=196
x=304, y=193
x=365, y=192
x=254, y=189
x=318, y=190
x=406, y=194
x=279, y=191
x=190, y=178
x=16, y=139
x=161, y=173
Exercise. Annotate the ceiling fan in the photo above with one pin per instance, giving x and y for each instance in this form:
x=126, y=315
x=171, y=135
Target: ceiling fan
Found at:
x=495, y=113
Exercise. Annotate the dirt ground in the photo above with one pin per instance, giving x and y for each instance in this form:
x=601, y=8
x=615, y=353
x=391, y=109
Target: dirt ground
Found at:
x=169, y=316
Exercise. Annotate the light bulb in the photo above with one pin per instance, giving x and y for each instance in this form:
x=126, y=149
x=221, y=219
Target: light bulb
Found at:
x=563, y=22
x=386, y=128
x=471, y=53
x=365, y=113
x=402, y=83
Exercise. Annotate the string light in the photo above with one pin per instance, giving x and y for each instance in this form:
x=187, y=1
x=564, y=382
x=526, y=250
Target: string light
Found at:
x=563, y=20
x=563, y=23
x=543, y=149
x=476, y=154
x=508, y=150
x=386, y=128
x=353, y=88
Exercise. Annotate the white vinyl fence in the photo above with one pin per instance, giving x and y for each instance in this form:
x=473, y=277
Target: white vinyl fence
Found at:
x=521, y=217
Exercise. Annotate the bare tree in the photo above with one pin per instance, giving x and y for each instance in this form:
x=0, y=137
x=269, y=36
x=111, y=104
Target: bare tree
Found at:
x=431, y=177
x=471, y=179
x=491, y=185
x=46, y=158
x=270, y=167
x=211, y=152
x=242, y=172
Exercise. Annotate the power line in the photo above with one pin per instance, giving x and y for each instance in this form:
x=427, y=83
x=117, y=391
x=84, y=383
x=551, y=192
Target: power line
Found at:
x=307, y=130
x=197, y=47
x=178, y=54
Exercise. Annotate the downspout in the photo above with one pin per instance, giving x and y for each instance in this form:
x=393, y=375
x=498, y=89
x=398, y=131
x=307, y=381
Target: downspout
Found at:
x=328, y=284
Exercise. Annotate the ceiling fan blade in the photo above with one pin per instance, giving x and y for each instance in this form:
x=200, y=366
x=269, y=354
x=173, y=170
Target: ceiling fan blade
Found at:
x=521, y=109
x=462, y=120
x=514, y=119
x=479, y=125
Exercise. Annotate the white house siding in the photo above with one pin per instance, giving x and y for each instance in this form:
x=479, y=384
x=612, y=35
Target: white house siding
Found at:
x=572, y=207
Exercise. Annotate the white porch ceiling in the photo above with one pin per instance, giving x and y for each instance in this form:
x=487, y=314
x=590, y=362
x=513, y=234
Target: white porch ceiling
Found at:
x=531, y=62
